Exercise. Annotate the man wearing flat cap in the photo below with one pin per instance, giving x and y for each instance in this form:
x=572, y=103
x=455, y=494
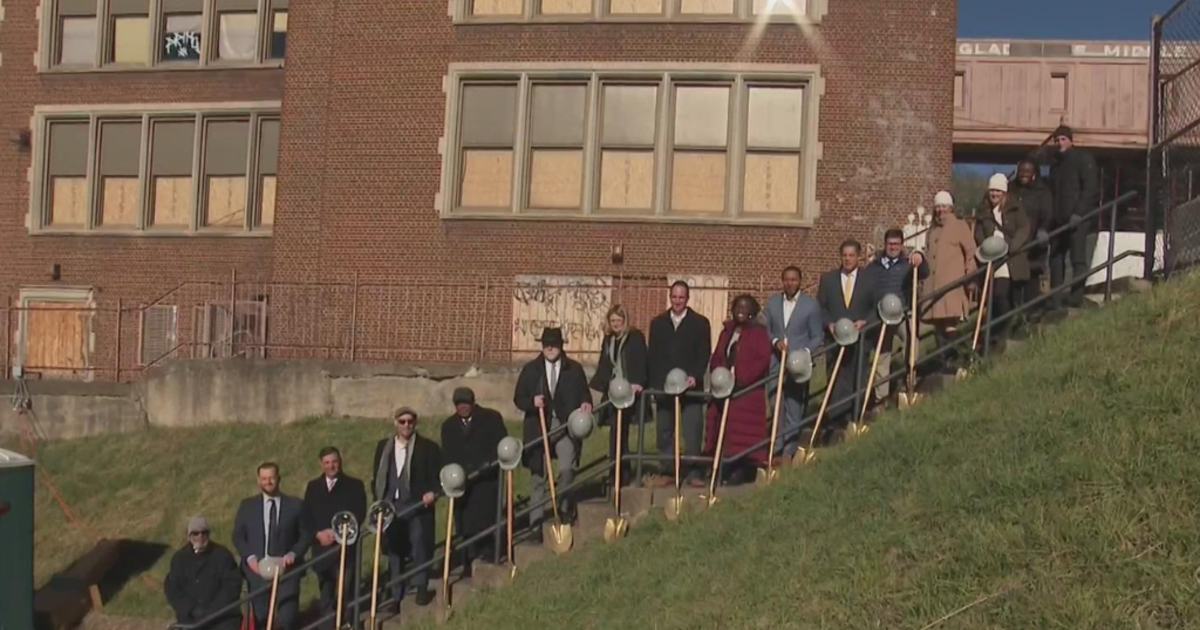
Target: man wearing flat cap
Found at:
x=406, y=474
x=557, y=386
x=1075, y=182
x=469, y=438
x=203, y=579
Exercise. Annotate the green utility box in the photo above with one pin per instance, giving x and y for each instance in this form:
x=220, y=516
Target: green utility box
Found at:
x=16, y=541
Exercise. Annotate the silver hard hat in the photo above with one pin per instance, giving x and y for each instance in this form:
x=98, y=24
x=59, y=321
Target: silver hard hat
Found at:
x=508, y=451
x=891, y=309
x=454, y=480
x=721, y=382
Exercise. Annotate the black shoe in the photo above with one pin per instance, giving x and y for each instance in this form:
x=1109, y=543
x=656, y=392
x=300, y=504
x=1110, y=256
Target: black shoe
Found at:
x=424, y=597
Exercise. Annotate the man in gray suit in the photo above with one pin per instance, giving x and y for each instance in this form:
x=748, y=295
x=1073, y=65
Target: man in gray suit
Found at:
x=793, y=322
x=271, y=524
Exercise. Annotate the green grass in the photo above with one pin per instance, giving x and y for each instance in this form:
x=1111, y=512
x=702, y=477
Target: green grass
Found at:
x=144, y=486
x=1057, y=489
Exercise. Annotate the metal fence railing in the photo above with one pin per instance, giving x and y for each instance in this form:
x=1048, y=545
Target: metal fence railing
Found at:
x=1173, y=161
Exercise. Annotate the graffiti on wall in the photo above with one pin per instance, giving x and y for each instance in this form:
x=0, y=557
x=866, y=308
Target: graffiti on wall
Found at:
x=577, y=304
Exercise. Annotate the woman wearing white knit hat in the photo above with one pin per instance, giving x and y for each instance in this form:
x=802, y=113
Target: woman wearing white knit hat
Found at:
x=1005, y=218
x=951, y=254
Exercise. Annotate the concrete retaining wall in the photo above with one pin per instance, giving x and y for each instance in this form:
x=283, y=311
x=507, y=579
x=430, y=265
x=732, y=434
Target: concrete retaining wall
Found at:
x=199, y=393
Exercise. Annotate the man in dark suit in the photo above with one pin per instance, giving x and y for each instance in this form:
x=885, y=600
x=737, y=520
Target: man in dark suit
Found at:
x=892, y=272
x=558, y=386
x=680, y=338
x=793, y=322
x=846, y=293
x=272, y=525
x=332, y=492
x=469, y=439
x=406, y=474
x=1075, y=181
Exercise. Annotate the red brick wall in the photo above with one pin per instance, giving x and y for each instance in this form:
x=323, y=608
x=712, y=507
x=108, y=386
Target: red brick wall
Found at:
x=364, y=110
x=135, y=269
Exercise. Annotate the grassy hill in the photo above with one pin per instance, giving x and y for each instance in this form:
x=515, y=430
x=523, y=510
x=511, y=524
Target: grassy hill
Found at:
x=144, y=486
x=1059, y=490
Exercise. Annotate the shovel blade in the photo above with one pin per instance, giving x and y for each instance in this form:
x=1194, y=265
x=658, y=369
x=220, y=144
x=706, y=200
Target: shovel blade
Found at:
x=560, y=539
x=512, y=574
x=962, y=374
x=610, y=531
x=902, y=401
x=804, y=456
x=857, y=429
x=764, y=478
x=674, y=508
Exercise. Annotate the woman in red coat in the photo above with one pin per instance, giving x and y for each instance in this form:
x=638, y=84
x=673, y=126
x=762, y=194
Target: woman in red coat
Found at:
x=744, y=347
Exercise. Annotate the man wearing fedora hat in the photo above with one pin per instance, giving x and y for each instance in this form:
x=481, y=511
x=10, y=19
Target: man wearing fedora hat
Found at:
x=469, y=438
x=557, y=386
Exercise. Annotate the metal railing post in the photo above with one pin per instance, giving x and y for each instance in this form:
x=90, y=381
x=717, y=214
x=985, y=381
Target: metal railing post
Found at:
x=860, y=400
x=641, y=441
x=1151, y=217
x=1112, y=244
x=987, y=324
x=359, y=578
x=501, y=515
x=232, y=310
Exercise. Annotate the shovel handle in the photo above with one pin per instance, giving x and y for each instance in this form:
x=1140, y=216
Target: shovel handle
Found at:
x=775, y=416
x=983, y=298
x=874, y=365
x=274, y=591
x=837, y=366
x=446, y=555
x=913, y=337
x=341, y=581
x=508, y=502
x=678, y=464
x=549, y=467
x=375, y=569
x=712, y=483
x=617, y=477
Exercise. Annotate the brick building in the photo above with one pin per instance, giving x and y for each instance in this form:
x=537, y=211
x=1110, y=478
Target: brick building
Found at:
x=433, y=179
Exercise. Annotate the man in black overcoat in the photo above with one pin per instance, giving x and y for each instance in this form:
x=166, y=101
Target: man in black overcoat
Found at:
x=469, y=439
x=330, y=493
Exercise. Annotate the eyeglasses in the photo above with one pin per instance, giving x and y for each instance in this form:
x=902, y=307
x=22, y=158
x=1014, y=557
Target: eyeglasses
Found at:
x=203, y=533
x=405, y=421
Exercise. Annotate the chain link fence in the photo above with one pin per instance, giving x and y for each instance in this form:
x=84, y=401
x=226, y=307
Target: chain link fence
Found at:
x=1173, y=164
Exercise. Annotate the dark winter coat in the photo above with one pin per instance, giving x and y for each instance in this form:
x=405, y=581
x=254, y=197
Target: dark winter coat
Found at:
x=570, y=394
x=1075, y=183
x=200, y=584
x=1016, y=233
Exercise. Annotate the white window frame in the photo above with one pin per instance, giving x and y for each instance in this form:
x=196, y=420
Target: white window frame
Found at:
x=743, y=12
x=44, y=116
x=48, y=40
x=738, y=76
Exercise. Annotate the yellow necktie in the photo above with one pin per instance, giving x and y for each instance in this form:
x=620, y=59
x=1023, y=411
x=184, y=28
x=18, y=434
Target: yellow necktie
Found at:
x=847, y=290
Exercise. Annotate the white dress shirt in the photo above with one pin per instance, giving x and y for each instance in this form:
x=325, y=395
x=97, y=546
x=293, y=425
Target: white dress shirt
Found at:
x=789, y=307
x=552, y=373
x=678, y=319
x=400, y=452
x=330, y=482
x=267, y=500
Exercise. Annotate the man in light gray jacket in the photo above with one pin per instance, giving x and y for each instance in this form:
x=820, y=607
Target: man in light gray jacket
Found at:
x=793, y=322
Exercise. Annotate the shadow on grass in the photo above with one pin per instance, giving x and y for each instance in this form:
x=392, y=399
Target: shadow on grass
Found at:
x=135, y=557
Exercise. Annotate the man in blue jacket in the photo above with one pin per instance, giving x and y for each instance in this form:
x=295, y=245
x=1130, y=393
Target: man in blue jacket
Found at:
x=794, y=323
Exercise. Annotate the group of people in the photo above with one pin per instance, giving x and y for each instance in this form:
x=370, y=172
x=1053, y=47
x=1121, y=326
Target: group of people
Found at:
x=753, y=343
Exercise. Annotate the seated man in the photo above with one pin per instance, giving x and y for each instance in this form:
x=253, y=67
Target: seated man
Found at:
x=204, y=579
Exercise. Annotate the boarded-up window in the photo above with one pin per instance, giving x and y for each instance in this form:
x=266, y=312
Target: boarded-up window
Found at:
x=120, y=152
x=77, y=40
x=496, y=7
x=237, y=30
x=780, y=7
x=172, y=143
x=566, y=7
x=627, y=147
x=774, y=137
x=66, y=170
x=489, y=116
x=635, y=7
x=556, y=146
x=709, y=296
x=268, y=160
x=960, y=84
x=1058, y=92
x=226, y=144
x=182, y=30
x=699, y=159
x=129, y=31
x=577, y=304
x=159, y=332
x=55, y=335
x=706, y=7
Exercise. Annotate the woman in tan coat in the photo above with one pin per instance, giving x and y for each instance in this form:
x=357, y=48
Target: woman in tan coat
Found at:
x=951, y=255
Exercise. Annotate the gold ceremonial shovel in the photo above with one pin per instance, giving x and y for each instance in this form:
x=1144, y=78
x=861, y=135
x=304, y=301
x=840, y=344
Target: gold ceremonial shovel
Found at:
x=859, y=428
x=345, y=532
x=910, y=398
x=766, y=475
x=806, y=455
x=446, y=599
x=561, y=538
x=716, y=465
x=617, y=526
x=675, y=504
x=963, y=373
x=508, y=500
